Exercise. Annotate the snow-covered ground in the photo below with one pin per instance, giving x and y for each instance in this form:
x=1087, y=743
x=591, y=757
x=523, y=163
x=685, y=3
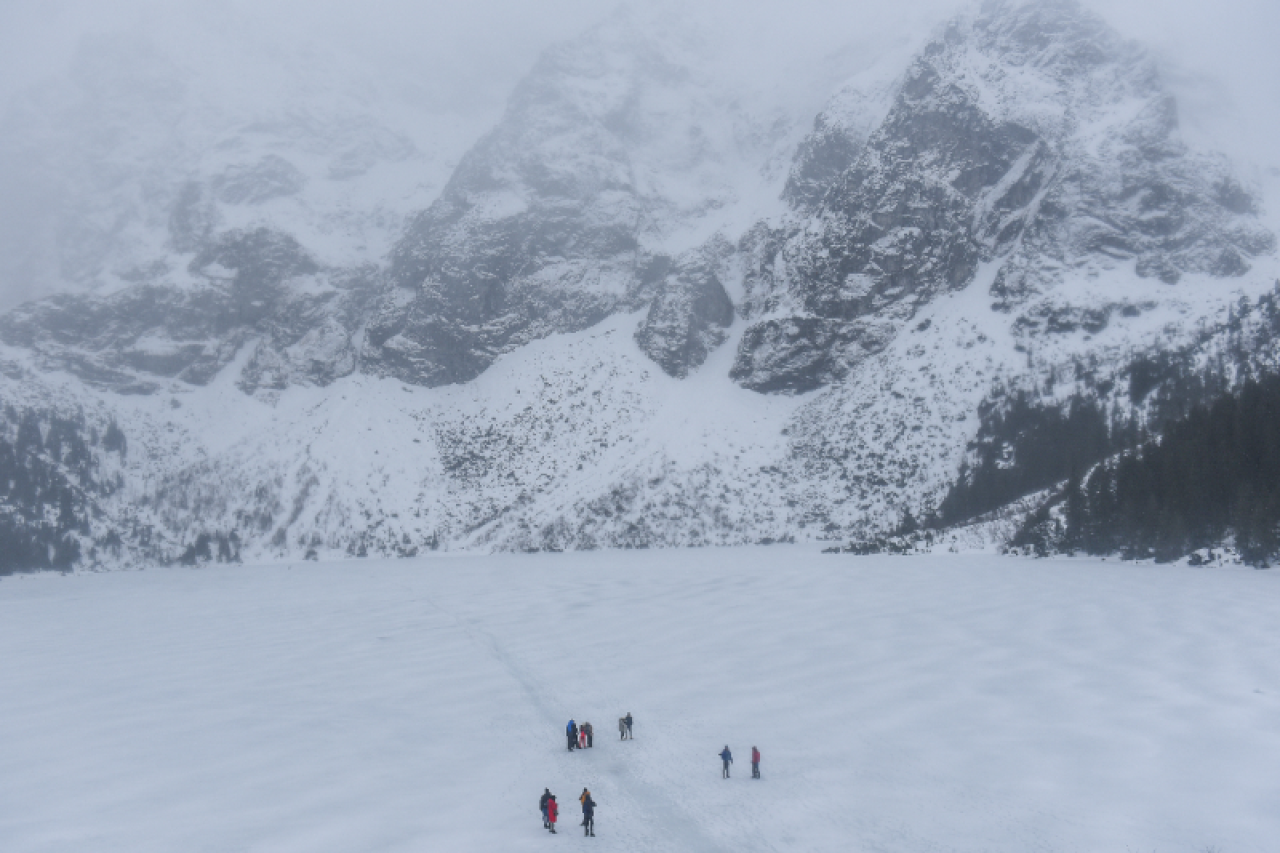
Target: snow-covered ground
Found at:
x=902, y=704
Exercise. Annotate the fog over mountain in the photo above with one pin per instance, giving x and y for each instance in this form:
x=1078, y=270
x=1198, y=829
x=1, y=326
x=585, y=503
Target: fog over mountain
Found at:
x=449, y=70
x=290, y=279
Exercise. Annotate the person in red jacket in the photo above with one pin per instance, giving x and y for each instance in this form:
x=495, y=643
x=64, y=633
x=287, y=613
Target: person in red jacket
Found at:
x=755, y=763
x=552, y=811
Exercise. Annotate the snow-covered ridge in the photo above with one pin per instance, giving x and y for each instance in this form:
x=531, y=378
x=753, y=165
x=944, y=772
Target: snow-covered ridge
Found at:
x=620, y=322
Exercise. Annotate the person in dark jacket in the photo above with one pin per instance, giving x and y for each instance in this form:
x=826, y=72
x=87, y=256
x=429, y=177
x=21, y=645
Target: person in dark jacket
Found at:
x=727, y=757
x=590, y=731
x=553, y=811
x=755, y=763
x=571, y=732
x=627, y=720
x=542, y=806
x=588, y=814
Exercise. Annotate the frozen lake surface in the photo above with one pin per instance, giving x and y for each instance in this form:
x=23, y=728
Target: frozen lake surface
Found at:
x=959, y=703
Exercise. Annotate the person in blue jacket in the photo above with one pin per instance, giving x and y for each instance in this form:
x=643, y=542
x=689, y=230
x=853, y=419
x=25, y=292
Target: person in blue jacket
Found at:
x=571, y=732
x=727, y=757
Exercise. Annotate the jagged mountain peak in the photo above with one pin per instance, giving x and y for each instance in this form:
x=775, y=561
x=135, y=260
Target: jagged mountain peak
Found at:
x=616, y=151
x=620, y=322
x=1028, y=134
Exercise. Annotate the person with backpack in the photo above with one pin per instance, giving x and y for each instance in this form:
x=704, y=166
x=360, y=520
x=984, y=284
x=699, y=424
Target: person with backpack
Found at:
x=755, y=763
x=553, y=811
x=622, y=728
x=571, y=732
x=586, y=727
x=727, y=757
x=542, y=807
x=588, y=814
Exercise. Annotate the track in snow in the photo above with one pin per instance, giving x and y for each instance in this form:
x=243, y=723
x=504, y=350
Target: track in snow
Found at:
x=904, y=704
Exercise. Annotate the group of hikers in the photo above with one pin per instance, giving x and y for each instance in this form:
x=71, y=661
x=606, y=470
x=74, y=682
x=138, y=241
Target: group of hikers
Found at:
x=551, y=812
x=580, y=737
x=726, y=758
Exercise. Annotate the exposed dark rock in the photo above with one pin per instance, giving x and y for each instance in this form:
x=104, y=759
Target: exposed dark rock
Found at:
x=791, y=356
x=1028, y=143
x=1061, y=319
x=1230, y=263
x=188, y=333
x=690, y=313
x=763, y=270
x=541, y=228
x=968, y=168
x=258, y=262
x=470, y=285
x=313, y=341
x=821, y=159
x=797, y=354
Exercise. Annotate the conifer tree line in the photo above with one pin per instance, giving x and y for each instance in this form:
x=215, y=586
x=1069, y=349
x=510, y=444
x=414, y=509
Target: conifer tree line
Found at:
x=1214, y=474
x=1029, y=445
x=49, y=471
x=1029, y=439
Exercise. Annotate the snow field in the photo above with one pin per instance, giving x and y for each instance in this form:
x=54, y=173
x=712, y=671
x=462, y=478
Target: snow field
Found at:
x=907, y=704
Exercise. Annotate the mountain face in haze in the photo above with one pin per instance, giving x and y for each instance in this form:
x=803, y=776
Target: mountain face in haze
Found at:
x=1033, y=136
x=610, y=152
x=597, y=335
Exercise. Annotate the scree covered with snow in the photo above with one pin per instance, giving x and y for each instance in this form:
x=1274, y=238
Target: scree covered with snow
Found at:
x=901, y=703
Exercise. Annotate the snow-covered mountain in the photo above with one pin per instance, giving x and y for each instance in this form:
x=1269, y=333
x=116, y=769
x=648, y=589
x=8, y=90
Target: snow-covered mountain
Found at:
x=643, y=310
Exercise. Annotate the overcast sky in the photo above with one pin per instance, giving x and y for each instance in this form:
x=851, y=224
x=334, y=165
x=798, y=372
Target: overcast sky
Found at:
x=464, y=57
x=1222, y=54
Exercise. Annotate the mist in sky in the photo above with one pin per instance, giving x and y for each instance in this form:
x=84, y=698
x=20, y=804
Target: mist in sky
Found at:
x=455, y=64
x=469, y=55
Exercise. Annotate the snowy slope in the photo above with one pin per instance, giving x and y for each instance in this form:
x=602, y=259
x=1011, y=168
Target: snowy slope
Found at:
x=649, y=307
x=906, y=704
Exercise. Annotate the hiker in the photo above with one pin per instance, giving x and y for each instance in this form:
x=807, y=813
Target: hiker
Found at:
x=588, y=814
x=622, y=728
x=571, y=732
x=755, y=763
x=586, y=727
x=542, y=806
x=553, y=811
x=627, y=720
x=582, y=736
x=727, y=757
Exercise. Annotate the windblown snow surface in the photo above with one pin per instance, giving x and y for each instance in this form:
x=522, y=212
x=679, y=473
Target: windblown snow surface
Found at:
x=932, y=703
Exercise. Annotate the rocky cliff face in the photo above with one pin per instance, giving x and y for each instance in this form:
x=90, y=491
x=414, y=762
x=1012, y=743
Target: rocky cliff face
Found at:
x=690, y=313
x=255, y=288
x=591, y=337
x=1029, y=134
x=611, y=153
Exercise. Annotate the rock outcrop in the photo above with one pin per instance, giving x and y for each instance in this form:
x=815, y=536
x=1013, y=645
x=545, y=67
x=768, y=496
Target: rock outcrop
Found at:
x=1029, y=133
x=626, y=320
x=690, y=313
